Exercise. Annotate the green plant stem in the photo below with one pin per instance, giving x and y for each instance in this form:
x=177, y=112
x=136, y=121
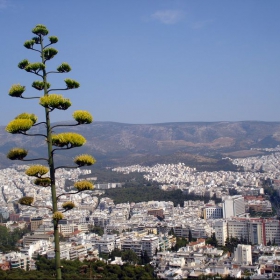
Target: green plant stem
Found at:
x=29, y=97
x=34, y=159
x=56, y=89
x=52, y=174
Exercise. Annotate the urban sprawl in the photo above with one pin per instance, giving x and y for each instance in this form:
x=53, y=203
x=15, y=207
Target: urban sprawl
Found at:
x=245, y=213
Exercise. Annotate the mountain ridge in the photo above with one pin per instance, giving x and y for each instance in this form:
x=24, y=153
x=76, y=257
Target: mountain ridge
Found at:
x=114, y=143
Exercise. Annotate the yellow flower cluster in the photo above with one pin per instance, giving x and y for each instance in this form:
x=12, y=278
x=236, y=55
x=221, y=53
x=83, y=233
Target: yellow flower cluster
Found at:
x=37, y=170
x=55, y=101
x=26, y=200
x=40, y=29
x=27, y=116
x=82, y=117
x=16, y=90
x=83, y=185
x=19, y=125
x=68, y=139
x=57, y=216
x=68, y=205
x=43, y=182
x=17, y=153
x=84, y=159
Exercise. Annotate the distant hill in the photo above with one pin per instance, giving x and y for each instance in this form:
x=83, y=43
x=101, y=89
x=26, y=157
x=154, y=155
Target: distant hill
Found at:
x=113, y=144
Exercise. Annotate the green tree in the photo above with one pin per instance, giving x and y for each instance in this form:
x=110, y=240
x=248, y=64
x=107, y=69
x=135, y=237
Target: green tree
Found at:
x=268, y=243
x=45, y=175
x=171, y=231
x=9, y=239
x=96, y=229
x=81, y=270
x=115, y=253
x=231, y=243
x=212, y=240
x=180, y=242
x=190, y=236
x=145, y=257
x=130, y=257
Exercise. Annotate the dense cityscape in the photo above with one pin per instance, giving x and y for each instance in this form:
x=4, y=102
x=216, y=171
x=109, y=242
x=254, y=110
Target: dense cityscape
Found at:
x=238, y=208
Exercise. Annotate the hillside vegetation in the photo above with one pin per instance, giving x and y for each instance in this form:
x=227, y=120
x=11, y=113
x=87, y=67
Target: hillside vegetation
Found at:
x=195, y=144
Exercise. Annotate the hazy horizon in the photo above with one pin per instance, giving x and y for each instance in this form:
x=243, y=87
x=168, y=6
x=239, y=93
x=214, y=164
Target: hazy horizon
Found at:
x=158, y=123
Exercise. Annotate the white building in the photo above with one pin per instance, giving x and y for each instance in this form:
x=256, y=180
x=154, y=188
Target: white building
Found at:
x=233, y=206
x=149, y=244
x=220, y=227
x=77, y=252
x=253, y=230
x=107, y=243
x=132, y=243
x=243, y=254
x=68, y=229
x=18, y=260
x=213, y=212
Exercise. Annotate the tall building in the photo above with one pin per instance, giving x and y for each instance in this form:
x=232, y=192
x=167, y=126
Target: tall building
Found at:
x=243, y=254
x=253, y=230
x=220, y=227
x=233, y=206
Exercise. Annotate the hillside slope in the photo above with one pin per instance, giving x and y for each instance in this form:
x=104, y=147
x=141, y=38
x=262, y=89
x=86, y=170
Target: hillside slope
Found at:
x=121, y=144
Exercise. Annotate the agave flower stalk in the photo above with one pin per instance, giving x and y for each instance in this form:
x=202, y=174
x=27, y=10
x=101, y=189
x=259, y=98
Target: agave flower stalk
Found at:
x=45, y=175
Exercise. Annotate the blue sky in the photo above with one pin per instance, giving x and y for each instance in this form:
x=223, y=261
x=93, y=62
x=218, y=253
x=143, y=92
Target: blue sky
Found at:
x=150, y=61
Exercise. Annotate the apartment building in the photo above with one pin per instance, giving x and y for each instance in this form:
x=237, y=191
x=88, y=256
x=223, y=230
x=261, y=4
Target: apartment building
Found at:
x=213, y=212
x=220, y=227
x=107, y=243
x=99, y=219
x=238, y=228
x=35, y=223
x=243, y=254
x=149, y=244
x=77, y=252
x=182, y=231
x=254, y=230
x=28, y=239
x=64, y=252
x=132, y=243
x=272, y=231
x=156, y=212
x=18, y=260
x=68, y=229
x=259, y=206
